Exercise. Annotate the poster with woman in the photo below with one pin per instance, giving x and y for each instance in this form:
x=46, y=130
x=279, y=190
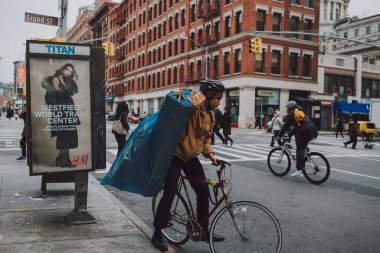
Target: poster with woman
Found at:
x=60, y=101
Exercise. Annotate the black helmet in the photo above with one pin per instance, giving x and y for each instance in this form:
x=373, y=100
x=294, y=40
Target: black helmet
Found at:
x=291, y=105
x=210, y=87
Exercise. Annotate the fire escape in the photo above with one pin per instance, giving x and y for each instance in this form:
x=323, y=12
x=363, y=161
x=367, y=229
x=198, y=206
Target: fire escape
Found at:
x=120, y=52
x=208, y=38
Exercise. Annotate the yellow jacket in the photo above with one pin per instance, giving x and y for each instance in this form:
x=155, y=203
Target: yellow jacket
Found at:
x=196, y=137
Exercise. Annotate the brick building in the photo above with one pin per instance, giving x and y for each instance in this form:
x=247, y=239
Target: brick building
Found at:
x=81, y=31
x=163, y=45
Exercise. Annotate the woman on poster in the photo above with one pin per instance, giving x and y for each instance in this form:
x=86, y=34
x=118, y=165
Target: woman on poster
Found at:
x=63, y=117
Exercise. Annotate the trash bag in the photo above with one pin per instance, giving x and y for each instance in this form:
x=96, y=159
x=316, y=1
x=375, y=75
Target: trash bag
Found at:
x=142, y=165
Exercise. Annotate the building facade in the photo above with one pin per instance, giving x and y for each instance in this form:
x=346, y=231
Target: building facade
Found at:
x=170, y=44
x=81, y=31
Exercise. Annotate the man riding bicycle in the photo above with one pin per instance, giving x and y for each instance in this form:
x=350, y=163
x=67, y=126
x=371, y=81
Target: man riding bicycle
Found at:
x=303, y=130
x=195, y=140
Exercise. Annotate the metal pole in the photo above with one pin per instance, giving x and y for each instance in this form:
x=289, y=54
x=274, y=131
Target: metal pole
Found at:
x=206, y=62
x=261, y=112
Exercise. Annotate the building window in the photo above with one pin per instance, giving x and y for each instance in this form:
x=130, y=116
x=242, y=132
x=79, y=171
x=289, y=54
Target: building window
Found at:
x=238, y=22
x=163, y=78
x=192, y=41
x=309, y=3
x=308, y=29
x=371, y=88
x=260, y=62
x=176, y=21
x=183, y=18
x=181, y=73
x=199, y=70
x=170, y=24
x=227, y=26
x=175, y=75
x=175, y=47
x=227, y=2
x=148, y=78
x=260, y=20
x=338, y=84
x=368, y=30
x=182, y=46
x=217, y=30
x=372, y=61
x=226, y=63
x=378, y=27
x=169, y=77
x=237, y=61
x=356, y=32
x=293, y=60
x=276, y=62
x=191, y=71
x=142, y=83
x=169, y=49
x=158, y=79
x=294, y=26
x=345, y=35
x=276, y=27
x=306, y=66
x=192, y=16
x=296, y=2
x=324, y=9
x=216, y=66
x=331, y=11
x=154, y=81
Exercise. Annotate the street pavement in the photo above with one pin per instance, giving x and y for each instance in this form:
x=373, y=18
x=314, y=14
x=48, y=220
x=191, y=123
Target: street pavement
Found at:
x=31, y=223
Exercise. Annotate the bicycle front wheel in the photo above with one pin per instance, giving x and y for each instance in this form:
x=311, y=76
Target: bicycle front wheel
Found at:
x=317, y=168
x=175, y=232
x=247, y=227
x=278, y=162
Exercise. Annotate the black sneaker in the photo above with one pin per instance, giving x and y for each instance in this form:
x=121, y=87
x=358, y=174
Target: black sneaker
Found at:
x=20, y=158
x=158, y=241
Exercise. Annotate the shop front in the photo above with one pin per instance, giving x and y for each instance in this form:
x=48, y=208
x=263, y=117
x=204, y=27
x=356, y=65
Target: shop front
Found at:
x=232, y=102
x=267, y=101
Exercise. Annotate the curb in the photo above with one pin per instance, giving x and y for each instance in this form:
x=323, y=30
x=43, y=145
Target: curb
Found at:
x=141, y=225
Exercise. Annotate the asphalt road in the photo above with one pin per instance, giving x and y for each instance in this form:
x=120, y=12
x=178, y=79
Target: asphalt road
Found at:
x=342, y=215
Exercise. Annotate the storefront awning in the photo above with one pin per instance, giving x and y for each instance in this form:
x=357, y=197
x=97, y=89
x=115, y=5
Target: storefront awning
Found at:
x=307, y=100
x=348, y=108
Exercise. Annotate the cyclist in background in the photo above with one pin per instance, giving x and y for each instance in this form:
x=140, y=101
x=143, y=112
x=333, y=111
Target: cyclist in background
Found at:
x=195, y=140
x=304, y=131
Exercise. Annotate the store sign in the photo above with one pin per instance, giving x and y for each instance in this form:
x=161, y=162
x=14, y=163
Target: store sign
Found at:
x=41, y=19
x=266, y=93
x=234, y=93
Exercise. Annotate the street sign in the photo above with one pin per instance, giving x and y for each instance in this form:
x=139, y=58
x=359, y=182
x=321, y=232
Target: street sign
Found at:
x=41, y=19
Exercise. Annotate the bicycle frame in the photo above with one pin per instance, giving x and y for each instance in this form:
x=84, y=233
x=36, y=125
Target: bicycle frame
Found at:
x=216, y=185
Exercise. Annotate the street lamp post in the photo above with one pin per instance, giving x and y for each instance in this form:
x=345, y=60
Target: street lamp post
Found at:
x=183, y=37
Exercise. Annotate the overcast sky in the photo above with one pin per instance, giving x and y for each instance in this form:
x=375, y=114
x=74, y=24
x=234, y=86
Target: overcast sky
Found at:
x=14, y=31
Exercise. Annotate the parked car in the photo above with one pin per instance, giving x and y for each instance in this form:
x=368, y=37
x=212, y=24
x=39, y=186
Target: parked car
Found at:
x=111, y=116
x=134, y=118
x=366, y=129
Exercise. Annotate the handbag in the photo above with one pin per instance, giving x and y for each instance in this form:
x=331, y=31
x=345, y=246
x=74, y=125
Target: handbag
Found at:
x=117, y=127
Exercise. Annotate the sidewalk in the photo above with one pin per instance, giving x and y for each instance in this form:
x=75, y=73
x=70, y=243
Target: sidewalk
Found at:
x=37, y=225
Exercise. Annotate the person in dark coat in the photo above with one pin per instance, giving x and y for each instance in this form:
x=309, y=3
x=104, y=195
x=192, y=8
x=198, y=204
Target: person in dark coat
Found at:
x=339, y=127
x=303, y=131
x=217, y=126
x=226, y=125
x=353, y=131
x=257, y=122
x=10, y=113
x=23, y=136
x=59, y=91
x=122, y=111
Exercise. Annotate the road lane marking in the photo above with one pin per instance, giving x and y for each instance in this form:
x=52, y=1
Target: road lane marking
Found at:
x=356, y=174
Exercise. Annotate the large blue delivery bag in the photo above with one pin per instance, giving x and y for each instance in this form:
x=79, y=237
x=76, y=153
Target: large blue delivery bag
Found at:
x=143, y=163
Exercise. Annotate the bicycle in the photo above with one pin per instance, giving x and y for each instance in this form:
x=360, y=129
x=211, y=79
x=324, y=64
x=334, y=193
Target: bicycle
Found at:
x=317, y=167
x=246, y=226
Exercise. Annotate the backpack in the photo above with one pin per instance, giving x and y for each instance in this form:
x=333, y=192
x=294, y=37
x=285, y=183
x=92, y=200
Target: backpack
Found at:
x=299, y=115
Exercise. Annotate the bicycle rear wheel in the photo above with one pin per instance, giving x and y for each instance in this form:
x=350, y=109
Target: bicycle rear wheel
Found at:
x=317, y=168
x=247, y=227
x=278, y=162
x=175, y=232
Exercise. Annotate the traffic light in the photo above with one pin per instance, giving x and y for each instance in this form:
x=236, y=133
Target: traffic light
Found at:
x=256, y=46
x=106, y=48
x=109, y=48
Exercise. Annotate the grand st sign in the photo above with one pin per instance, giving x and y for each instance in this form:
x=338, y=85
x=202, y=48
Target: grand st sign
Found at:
x=41, y=19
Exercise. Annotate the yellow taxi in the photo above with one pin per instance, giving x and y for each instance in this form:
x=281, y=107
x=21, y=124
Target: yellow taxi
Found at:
x=366, y=129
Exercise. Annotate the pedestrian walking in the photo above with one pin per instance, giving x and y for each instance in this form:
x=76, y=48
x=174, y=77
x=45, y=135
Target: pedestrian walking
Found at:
x=217, y=126
x=277, y=123
x=23, y=136
x=339, y=127
x=226, y=125
x=121, y=132
x=10, y=112
x=353, y=131
x=257, y=122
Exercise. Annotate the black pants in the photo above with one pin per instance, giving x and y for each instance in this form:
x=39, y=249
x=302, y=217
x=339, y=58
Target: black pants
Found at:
x=302, y=140
x=120, y=139
x=192, y=169
x=339, y=131
x=216, y=131
x=23, y=145
x=353, y=140
x=275, y=134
